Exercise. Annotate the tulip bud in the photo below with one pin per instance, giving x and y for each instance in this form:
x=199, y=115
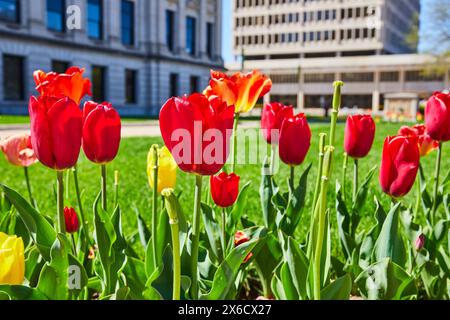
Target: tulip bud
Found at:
x=12, y=261
x=224, y=189
x=71, y=219
x=239, y=238
x=18, y=150
x=359, y=135
x=399, y=165
x=437, y=117
x=172, y=205
x=295, y=140
x=167, y=168
x=420, y=242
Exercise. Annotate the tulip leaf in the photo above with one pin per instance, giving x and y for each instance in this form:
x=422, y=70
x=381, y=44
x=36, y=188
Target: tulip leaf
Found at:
x=163, y=238
x=144, y=232
x=361, y=197
x=267, y=190
x=41, y=231
x=238, y=208
x=343, y=224
x=440, y=230
x=53, y=280
x=389, y=244
x=111, y=244
x=339, y=289
x=136, y=278
x=213, y=232
x=226, y=273
x=385, y=280
x=268, y=258
x=296, y=203
x=21, y=293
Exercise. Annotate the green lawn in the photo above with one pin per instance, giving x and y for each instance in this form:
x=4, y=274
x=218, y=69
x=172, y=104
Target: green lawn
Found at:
x=134, y=190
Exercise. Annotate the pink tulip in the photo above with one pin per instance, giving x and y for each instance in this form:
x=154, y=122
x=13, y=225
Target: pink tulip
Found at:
x=18, y=150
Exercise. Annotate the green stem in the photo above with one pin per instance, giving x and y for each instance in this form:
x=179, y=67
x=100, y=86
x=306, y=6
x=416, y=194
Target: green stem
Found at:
x=320, y=212
x=104, y=196
x=176, y=259
x=344, y=177
x=336, y=106
x=155, y=203
x=60, y=200
x=80, y=206
x=27, y=180
x=67, y=184
x=116, y=188
x=418, y=197
x=236, y=121
x=74, y=246
x=273, y=154
x=196, y=237
x=224, y=233
x=436, y=183
x=292, y=178
x=355, y=179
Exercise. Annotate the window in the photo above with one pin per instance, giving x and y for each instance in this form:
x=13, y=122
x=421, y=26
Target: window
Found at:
x=60, y=66
x=10, y=10
x=170, y=21
x=127, y=22
x=390, y=76
x=98, y=83
x=130, y=86
x=419, y=76
x=358, y=77
x=95, y=24
x=173, y=85
x=56, y=15
x=13, y=81
x=190, y=35
x=194, y=84
x=210, y=39
x=318, y=77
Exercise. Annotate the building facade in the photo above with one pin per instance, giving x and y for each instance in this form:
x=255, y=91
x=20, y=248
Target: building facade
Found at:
x=138, y=53
x=305, y=45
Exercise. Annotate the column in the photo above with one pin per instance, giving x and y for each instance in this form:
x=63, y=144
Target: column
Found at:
x=300, y=101
x=201, y=30
x=80, y=35
x=217, y=52
x=113, y=16
x=37, y=16
x=181, y=17
x=376, y=93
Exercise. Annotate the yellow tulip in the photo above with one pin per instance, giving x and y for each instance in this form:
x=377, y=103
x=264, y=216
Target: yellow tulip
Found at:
x=167, y=169
x=12, y=261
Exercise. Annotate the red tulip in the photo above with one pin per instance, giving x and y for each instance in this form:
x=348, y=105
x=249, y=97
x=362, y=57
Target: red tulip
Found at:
x=420, y=242
x=56, y=127
x=101, y=132
x=197, y=132
x=426, y=144
x=224, y=189
x=71, y=219
x=239, y=238
x=399, y=165
x=359, y=135
x=437, y=117
x=272, y=118
x=295, y=140
x=18, y=150
x=69, y=84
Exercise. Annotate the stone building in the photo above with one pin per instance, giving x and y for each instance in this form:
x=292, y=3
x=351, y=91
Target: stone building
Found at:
x=137, y=53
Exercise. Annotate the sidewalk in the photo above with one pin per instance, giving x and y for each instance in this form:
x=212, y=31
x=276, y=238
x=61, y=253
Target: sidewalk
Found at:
x=129, y=129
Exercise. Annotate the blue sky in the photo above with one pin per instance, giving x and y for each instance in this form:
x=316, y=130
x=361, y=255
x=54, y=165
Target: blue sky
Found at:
x=227, y=29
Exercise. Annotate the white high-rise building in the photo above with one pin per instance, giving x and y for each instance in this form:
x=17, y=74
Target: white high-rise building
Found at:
x=280, y=29
x=305, y=45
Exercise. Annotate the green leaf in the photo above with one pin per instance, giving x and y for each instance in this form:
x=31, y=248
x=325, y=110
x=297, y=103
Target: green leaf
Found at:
x=296, y=204
x=40, y=229
x=136, y=278
x=267, y=190
x=386, y=280
x=22, y=293
x=53, y=280
x=343, y=224
x=226, y=273
x=268, y=258
x=440, y=230
x=144, y=232
x=362, y=193
x=239, y=206
x=339, y=289
x=389, y=243
x=213, y=231
x=163, y=238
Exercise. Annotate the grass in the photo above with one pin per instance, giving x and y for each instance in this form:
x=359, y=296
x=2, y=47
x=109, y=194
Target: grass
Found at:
x=134, y=190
